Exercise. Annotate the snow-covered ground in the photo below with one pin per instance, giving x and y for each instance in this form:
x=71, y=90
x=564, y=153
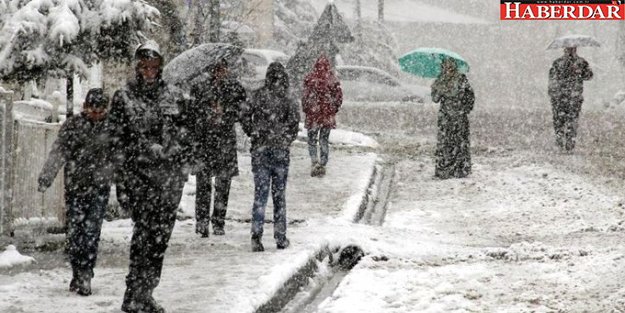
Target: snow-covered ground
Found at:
x=218, y=274
x=514, y=237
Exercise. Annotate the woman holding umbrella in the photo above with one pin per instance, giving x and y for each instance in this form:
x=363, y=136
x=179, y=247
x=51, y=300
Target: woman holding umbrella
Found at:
x=456, y=97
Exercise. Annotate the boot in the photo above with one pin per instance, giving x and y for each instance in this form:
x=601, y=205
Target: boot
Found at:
x=83, y=283
x=283, y=244
x=201, y=228
x=321, y=171
x=314, y=169
x=152, y=306
x=218, y=230
x=73, y=284
x=144, y=304
x=257, y=245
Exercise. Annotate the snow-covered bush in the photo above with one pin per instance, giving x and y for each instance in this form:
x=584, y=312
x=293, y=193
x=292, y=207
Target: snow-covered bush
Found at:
x=42, y=38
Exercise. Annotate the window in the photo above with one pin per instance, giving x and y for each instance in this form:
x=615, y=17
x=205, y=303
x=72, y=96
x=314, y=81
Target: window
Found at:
x=349, y=74
x=381, y=78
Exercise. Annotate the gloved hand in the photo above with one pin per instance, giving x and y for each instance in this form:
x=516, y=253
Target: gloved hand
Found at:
x=43, y=184
x=157, y=151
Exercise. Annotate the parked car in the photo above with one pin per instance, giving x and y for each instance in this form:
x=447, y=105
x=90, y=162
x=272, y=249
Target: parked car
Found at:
x=362, y=83
x=254, y=63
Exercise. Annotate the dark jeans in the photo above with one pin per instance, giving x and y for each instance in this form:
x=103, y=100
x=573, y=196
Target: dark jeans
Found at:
x=321, y=135
x=84, y=213
x=153, y=212
x=565, y=116
x=270, y=167
x=203, y=195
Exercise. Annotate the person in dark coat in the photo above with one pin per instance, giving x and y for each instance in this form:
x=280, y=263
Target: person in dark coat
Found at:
x=321, y=99
x=271, y=121
x=566, y=88
x=83, y=147
x=456, y=97
x=149, y=145
x=214, y=109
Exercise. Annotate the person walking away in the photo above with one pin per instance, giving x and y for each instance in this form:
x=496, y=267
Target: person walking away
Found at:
x=321, y=99
x=83, y=147
x=566, y=88
x=271, y=121
x=215, y=108
x=455, y=95
x=147, y=132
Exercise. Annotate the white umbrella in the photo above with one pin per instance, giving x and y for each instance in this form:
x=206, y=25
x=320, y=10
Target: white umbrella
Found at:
x=194, y=62
x=571, y=41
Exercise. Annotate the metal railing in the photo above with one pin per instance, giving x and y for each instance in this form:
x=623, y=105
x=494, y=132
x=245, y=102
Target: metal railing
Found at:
x=25, y=147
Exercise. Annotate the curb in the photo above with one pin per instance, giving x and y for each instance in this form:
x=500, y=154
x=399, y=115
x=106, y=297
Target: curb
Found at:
x=293, y=284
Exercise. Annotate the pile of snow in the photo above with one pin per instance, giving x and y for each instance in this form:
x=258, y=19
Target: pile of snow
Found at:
x=617, y=101
x=11, y=257
x=343, y=137
x=534, y=251
x=35, y=109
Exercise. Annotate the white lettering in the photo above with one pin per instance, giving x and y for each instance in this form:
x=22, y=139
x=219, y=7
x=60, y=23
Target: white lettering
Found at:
x=528, y=11
x=516, y=10
x=568, y=12
x=555, y=11
x=599, y=12
x=613, y=12
x=581, y=12
x=543, y=11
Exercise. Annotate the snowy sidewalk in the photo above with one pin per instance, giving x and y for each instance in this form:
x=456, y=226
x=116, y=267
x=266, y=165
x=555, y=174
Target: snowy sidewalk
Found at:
x=515, y=236
x=218, y=274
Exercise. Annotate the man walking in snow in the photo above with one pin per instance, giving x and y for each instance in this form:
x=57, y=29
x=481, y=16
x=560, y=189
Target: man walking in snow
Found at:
x=322, y=97
x=145, y=115
x=271, y=121
x=83, y=147
x=213, y=111
x=566, y=88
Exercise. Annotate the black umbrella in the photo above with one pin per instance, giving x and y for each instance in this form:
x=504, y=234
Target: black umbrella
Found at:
x=194, y=62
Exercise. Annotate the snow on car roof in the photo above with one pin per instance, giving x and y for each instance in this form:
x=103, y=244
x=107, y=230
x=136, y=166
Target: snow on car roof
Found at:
x=364, y=68
x=267, y=53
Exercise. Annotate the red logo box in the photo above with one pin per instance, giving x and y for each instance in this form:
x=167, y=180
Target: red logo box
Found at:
x=562, y=10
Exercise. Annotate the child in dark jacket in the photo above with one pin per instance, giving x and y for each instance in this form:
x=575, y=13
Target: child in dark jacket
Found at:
x=83, y=147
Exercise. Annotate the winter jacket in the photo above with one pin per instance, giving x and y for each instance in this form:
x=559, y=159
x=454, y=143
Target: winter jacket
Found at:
x=271, y=118
x=83, y=146
x=212, y=112
x=566, y=78
x=454, y=93
x=322, y=96
x=148, y=135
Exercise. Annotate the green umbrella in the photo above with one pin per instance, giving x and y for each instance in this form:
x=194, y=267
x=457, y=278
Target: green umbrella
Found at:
x=426, y=62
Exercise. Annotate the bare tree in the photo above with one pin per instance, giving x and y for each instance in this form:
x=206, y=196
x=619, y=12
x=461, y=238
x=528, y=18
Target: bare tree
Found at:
x=197, y=37
x=215, y=21
x=173, y=22
x=381, y=10
x=358, y=28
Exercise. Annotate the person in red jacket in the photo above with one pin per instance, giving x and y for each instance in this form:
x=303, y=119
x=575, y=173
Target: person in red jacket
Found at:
x=321, y=99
